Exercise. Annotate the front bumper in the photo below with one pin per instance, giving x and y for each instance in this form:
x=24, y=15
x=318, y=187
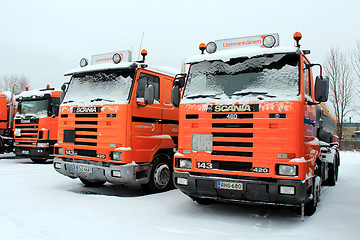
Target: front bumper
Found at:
x=32, y=152
x=103, y=171
x=254, y=191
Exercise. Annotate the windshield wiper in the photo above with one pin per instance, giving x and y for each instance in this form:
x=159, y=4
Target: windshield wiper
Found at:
x=203, y=95
x=252, y=93
x=101, y=99
x=70, y=101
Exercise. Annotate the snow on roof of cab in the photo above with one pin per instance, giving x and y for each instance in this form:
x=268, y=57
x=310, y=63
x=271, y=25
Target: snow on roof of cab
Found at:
x=122, y=65
x=37, y=92
x=226, y=55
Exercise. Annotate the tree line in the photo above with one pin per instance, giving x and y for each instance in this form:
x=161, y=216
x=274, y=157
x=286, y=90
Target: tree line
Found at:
x=7, y=81
x=343, y=70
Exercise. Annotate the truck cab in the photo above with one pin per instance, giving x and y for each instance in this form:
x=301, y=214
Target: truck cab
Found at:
x=6, y=117
x=36, y=123
x=117, y=123
x=248, y=124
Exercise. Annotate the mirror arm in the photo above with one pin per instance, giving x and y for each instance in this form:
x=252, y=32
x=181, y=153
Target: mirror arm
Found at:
x=312, y=103
x=141, y=105
x=315, y=64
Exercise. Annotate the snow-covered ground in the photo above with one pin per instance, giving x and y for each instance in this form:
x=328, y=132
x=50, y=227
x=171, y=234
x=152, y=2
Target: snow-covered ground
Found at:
x=38, y=203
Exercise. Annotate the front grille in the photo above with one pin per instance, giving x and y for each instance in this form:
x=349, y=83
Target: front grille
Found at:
x=232, y=153
x=236, y=135
x=232, y=125
x=232, y=166
x=85, y=143
x=26, y=143
x=86, y=115
x=232, y=116
x=28, y=131
x=85, y=153
x=86, y=129
x=86, y=122
x=233, y=144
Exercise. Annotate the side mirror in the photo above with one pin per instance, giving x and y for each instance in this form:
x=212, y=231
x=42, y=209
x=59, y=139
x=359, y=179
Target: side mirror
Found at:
x=63, y=87
x=180, y=80
x=62, y=96
x=175, y=96
x=149, y=95
x=321, y=89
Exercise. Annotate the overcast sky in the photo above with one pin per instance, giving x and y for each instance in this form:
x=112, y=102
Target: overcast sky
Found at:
x=43, y=39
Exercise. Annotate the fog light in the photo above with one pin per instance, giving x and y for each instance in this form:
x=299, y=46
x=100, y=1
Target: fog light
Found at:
x=269, y=41
x=116, y=173
x=288, y=190
x=117, y=156
x=83, y=62
x=287, y=170
x=116, y=58
x=57, y=165
x=211, y=47
x=182, y=181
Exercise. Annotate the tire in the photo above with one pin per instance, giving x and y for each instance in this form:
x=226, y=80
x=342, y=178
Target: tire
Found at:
x=333, y=173
x=310, y=207
x=88, y=183
x=203, y=201
x=160, y=176
x=39, y=160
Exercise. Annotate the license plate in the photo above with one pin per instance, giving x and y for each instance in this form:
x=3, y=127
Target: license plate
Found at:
x=229, y=185
x=83, y=169
x=25, y=152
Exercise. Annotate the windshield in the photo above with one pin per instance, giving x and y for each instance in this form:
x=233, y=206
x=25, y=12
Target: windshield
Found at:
x=36, y=108
x=263, y=77
x=110, y=87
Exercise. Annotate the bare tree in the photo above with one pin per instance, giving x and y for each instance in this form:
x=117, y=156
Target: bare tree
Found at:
x=356, y=65
x=20, y=83
x=339, y=70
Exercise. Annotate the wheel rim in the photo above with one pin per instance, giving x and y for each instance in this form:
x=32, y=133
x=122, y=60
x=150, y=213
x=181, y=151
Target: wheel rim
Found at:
x=162, y=175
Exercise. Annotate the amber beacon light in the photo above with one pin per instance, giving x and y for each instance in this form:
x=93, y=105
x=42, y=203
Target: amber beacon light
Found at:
x=297, y=36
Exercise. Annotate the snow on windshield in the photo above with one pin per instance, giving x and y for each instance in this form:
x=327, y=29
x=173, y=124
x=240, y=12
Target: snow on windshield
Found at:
x=35, y=108
x=266, y=77
x=99, y=88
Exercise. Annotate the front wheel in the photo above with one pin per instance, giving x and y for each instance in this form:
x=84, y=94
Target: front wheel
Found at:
x=38, y=160
x=311, y=206
x=88, y=183
x=160, y=176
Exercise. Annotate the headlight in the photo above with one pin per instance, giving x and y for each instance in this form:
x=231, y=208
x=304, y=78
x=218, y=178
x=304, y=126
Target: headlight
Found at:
x=287, y=170
x=43, y=145
x=117, y=156
x=183, y=163
x=60, y=151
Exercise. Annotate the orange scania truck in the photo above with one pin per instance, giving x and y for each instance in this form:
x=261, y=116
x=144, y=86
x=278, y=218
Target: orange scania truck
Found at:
x=7, y=110
x=117, y=123
x=251, y=127
x=36, y=123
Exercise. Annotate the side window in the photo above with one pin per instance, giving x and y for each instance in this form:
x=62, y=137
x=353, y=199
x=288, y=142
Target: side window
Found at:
x=143, y=80
x=307, y=81
x=55, y=102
